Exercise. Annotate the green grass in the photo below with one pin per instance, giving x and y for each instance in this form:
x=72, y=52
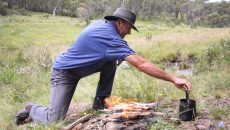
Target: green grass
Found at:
x=29, y=44
x=161, y=124
x=220, y=112
x=38, y=29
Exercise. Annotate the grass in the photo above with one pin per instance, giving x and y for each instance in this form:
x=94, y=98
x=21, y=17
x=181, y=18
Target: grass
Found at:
x=220, y=112
x=24, y=30
x=29, y=44
x=161, y=124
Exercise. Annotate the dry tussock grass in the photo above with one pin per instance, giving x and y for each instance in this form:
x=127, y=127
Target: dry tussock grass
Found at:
x=192, y=36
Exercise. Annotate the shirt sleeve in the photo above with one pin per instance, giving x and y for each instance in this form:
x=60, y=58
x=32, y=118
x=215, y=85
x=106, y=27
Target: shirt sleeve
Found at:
x=118, y=49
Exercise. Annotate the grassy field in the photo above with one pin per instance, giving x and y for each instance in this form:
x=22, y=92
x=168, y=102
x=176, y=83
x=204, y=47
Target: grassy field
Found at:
x=29, y=44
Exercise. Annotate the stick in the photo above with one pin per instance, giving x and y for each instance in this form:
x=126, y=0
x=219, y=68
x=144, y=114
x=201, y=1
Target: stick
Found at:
x=80, y=120
x=145, y=104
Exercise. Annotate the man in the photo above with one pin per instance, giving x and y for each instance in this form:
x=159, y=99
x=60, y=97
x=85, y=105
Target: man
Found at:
x=97, y=49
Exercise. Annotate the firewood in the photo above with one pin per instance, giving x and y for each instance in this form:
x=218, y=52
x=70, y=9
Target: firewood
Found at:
x=131, y=106
x=120, y=116
x=158, y=113
x=110, y=120
x=139, y=126
x=78, y=127
x=80, y=120
x=130, y=115
x=114, y=126
x=108, y=111
x=145, y=104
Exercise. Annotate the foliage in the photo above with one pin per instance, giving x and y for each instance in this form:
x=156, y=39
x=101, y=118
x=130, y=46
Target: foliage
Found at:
x=7, y=77
x=3, y=10
x=220, y=112
x=41, y=57
x=214, y=55
x=216, y=20
x=193, y=13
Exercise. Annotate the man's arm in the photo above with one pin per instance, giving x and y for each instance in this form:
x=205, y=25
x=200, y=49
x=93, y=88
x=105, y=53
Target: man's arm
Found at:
x=149, y=68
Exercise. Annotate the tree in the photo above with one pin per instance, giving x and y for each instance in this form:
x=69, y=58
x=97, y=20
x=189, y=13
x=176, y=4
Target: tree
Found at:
x=3, y=10
x=188, y=11
x=58, y=2
x=134, y=5
x=146, y=11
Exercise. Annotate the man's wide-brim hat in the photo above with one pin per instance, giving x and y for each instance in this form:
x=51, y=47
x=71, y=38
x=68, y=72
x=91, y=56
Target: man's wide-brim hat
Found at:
x=124, y=14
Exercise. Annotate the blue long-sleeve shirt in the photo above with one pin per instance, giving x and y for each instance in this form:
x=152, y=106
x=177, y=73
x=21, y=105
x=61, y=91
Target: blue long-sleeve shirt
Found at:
x=96, y=44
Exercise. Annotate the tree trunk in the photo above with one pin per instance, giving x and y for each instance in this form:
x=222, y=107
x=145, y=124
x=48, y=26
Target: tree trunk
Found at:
x=122, y=3
x=55, y=8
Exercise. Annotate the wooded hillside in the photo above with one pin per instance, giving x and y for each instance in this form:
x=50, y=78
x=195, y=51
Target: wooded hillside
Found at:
x=192, y=12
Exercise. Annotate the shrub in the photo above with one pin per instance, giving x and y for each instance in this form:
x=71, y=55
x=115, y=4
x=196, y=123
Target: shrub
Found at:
x=212, y=53
x=39, y=57
x=3, y=9
x=216, y=20
x=213, y=19
x=214, y=56
x=226, y=47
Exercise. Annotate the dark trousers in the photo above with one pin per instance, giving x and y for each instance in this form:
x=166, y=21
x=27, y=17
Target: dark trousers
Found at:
x=63, y=85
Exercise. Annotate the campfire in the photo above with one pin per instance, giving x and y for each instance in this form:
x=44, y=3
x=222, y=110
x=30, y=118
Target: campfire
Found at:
x=120, y=114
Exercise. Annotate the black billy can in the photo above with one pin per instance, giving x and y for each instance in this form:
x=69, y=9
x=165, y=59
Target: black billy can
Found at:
x=187, y=109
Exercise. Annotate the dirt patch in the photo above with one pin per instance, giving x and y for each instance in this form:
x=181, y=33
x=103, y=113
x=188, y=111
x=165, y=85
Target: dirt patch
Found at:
x=76, y=111
x=216, y=101
x=205, y=119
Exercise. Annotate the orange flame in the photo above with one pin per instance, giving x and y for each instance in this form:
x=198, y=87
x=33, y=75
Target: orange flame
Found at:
x=111, y=101
x=125, y=114
x=114, y=100
x=128, y=106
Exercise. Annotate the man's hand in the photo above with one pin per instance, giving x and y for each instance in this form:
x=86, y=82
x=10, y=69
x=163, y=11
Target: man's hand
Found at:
x=182, y=84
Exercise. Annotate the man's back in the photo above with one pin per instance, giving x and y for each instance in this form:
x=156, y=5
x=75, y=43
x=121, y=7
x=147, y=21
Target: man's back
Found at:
x=97, y=43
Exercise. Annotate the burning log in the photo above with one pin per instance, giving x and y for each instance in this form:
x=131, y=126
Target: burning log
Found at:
x=145, y=104
x=119, y=115
x=130, y=115
x=130, y=106
x=114, y=100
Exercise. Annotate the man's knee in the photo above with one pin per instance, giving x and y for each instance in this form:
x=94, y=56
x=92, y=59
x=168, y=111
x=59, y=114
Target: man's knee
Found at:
x=54, y=117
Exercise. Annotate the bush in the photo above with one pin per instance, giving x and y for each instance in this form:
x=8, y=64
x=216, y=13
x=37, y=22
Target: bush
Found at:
x=39, y=57
x=215, y=55
x=216, y=20
x=19, y=11
x=212, y=53
x=16, y=10
x=3, y=10
x=213, y=19
x=225, y=20
x=226, y=53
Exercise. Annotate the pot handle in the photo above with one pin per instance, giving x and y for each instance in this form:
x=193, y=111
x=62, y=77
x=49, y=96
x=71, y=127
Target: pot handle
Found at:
x=187, y=96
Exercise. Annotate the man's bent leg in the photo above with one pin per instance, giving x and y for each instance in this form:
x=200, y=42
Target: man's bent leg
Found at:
x=104, y=88
x=62, y=90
